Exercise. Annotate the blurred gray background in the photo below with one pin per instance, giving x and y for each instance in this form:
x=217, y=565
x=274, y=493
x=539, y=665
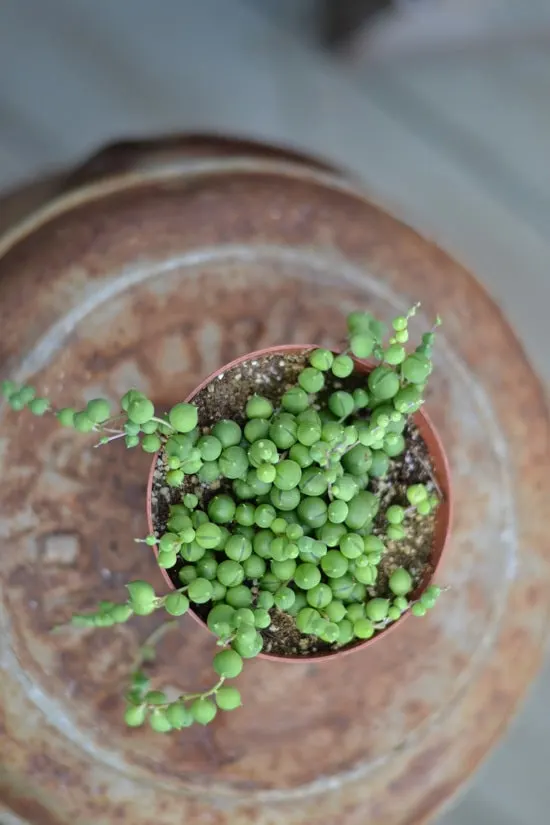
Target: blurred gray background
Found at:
x=442, y=107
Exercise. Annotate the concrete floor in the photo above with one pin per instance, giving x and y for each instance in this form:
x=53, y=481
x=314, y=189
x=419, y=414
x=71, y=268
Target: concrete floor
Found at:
x=456, y=144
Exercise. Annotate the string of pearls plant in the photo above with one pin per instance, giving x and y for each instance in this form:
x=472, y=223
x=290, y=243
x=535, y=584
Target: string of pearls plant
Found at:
x=293, y=530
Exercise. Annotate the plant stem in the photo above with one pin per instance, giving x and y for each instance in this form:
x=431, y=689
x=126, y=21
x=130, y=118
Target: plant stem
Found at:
x=157, y=634
x=153, y=639
x=108, y=441
x=162, y=421
x=161, y=599
x=150, y=642
x=433, y=479
x=188, y=697
x=223, y=642
x=348, y=449
x=351, y=447
x=114, y=418
x=185, y=697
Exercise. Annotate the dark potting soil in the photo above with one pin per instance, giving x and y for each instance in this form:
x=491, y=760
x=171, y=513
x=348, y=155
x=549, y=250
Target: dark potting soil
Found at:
x=270, y=376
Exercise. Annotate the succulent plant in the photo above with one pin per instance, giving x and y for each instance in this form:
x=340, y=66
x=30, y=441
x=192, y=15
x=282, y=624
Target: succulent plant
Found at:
x=292, y=528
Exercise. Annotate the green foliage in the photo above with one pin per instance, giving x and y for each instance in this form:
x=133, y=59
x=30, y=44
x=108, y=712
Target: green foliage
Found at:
x=140, y=410
x=311, y=380
x=228, y=698
x=361, y=344
x=228, y=433
x=321, y=359
x=291, y=518
x=39, y=406
x=98, y=410
x=258, y=407
x=228, y=664
x=400, y=582
x=342, y=366
x=182, y=417
x=176, y=604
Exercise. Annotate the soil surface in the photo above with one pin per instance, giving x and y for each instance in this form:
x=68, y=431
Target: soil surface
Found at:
x=271, y=375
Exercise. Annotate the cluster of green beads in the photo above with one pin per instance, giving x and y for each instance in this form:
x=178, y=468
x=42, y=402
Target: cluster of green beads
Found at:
x=24, y=396
x=295, y=526
x=144, y=704
x=144, y=428
x=136, y=423
x=141, y=601
x=153, y=705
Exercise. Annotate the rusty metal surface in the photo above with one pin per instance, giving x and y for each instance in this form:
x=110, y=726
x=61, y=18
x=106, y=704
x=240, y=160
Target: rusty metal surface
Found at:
x=129, y=155
x=154, y=280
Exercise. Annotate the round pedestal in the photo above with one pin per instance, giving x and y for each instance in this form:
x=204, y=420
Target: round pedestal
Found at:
x=153, y=279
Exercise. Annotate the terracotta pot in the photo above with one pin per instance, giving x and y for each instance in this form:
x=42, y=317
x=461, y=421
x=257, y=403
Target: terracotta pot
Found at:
x=444, y=514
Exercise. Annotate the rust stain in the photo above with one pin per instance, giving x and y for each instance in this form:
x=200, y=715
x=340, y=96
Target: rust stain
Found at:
x=416, y=711
x=477, y=600
x=30, y=810
x=535, y=595
x=420, y=768
x=430, y=804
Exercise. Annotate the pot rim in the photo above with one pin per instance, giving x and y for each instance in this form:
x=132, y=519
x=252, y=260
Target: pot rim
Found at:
x=443, y=520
